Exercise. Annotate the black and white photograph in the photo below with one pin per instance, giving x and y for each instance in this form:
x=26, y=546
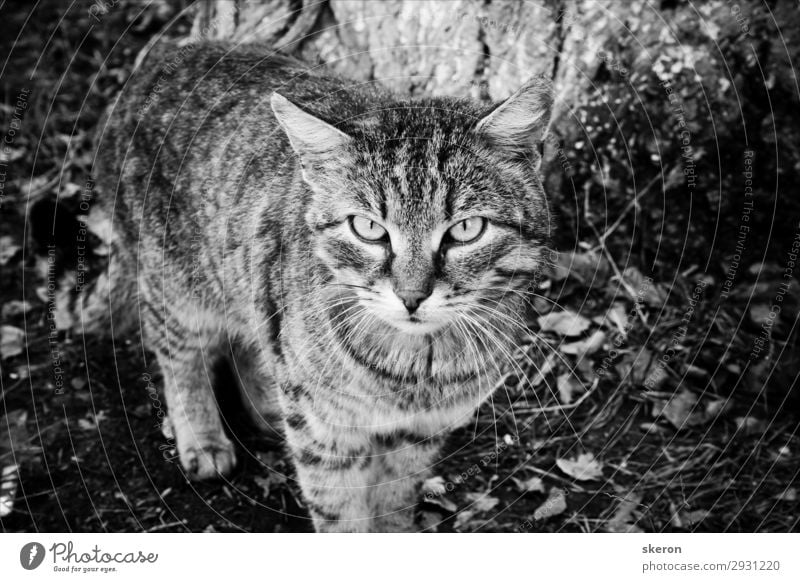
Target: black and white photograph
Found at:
x=454, y=267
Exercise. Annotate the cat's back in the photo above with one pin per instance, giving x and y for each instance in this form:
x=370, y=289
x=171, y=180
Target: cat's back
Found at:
x=178, y=91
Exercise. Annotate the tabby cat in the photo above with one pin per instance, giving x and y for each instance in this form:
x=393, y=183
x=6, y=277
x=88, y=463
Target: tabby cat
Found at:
x=361, y=259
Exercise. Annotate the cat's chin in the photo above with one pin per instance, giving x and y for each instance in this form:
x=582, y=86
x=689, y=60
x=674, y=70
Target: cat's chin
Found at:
x=416, y=327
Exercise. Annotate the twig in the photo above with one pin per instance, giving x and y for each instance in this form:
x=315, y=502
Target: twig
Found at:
x=559, y=407
x=634, y=202
x=166, y=525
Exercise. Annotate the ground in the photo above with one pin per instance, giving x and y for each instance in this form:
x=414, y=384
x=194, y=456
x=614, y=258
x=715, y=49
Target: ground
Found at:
x=658, y=402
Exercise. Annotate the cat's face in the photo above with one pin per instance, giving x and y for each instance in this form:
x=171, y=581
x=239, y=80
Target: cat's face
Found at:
x=431, y=220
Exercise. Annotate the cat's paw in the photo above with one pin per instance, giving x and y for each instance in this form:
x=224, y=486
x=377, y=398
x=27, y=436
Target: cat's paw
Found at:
x=208, y=460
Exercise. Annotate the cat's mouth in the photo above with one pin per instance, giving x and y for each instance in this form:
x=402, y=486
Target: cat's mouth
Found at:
x=414, y=324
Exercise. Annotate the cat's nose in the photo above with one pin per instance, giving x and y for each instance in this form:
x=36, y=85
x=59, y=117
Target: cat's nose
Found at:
x=411, y=298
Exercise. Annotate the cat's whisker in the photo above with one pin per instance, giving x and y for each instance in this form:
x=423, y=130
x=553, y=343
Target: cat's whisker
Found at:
x=521, y=327
x=475, y=321
x=481, y=338
x=552, y=393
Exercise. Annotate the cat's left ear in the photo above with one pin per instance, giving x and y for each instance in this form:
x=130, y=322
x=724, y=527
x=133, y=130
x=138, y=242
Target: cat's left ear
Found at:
x=520, y=122
x=312, y=138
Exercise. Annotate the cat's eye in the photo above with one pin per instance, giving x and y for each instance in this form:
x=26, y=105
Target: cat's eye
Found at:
x=367, y=229
x=467, y=230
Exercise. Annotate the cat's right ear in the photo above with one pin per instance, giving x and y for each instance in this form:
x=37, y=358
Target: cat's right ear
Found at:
x=518, y=125
x=312, y=138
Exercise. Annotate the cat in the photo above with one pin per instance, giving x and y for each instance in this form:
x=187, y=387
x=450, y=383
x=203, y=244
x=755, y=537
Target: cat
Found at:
x=363, y=260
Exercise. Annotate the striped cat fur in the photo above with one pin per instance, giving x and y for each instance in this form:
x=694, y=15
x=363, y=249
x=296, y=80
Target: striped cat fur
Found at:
x=363, y=261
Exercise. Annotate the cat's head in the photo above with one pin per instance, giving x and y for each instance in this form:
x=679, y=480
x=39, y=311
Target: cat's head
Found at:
x=426, y=213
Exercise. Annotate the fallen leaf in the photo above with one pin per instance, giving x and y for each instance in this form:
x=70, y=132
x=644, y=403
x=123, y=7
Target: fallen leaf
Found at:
x=463, y=518
x=682, y=411
x=585, y=347
x=43, y=294
x=584, y=468
x=567, y=323
x=434, y=486
x=715, y=408
x=789, y=494
x=86, y=424
x=635, y=366
x=14, y=436
x=482, y=502
x=543, y=370
x=532, y=485
x=69, y=190
x=9, y=154
x=651, y=293
x=434, y=490
x=555, y=504
x=656, y=378
x=270, y=482
x=696, y=516
x=8, y=249
x=15, y=308
x=12, y=341
x=624, y=520
x=749, y=424
x=588, y=267
x=760, y=313
x=617, y=317
x=9, y=480
x=443, y=502
x=568, y=385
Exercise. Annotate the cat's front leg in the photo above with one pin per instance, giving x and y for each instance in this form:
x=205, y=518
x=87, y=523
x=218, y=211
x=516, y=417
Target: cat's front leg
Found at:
x=402, y=460
x=183, y=352
x=333, y=470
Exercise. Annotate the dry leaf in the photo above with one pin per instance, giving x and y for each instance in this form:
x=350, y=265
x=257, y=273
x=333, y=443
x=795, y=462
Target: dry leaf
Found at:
x=434, y=490
x=532, y=485
x=636, y=366
x=584, y=468
x=652, y=293
x=543, y=370
x=15, y=308
x=9, y=154
x=8, y=248
x=616, y=317
x=567, y=323
x=682, y=410
x=434, y=486
x=696, y=516
x=9, y=480
x=463, y=518
x=268, y=483
x=715, y=408
x=12, y=341
x=585, y=347
x=760, y=313
x=624, y=520
x=482, y=502
x=789, y=494
x=749, y=424
x=86, y=424
x=568, y=385
x=442, y=502
x=588, y=268
x=555, y=504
